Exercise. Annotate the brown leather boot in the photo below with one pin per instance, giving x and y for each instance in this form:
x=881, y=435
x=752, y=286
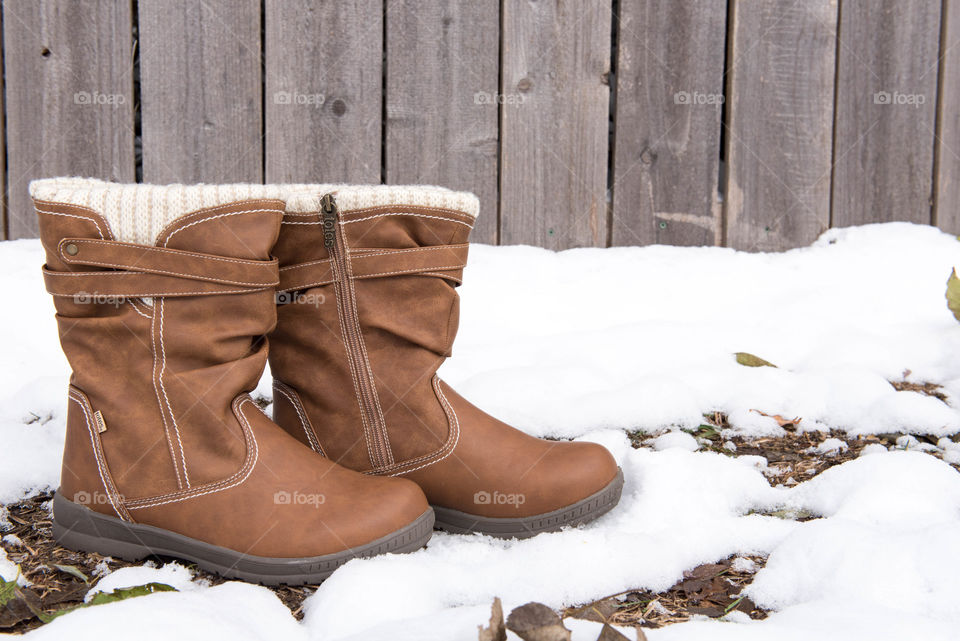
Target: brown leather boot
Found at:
x=163, y=297
x=369, y=277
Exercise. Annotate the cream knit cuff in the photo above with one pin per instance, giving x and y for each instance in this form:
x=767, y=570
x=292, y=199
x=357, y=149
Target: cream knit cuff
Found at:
x=137, y=213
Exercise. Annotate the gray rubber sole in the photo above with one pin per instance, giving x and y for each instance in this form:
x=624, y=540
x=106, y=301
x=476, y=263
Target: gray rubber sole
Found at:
x=79, y=528
x=579, y=513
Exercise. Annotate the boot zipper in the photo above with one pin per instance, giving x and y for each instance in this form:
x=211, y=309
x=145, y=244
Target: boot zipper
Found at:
x=329, y=209
x=333, y=240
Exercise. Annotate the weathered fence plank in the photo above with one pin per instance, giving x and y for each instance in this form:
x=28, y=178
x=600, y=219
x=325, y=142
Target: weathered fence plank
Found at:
x=779, y=138
x=555, y=122
x=200, y=90
x=442, y=83
x=669, y=100
x=4, y=215
x=69, y=96
x=886, y=97
x=323, y=90
x=947, y=212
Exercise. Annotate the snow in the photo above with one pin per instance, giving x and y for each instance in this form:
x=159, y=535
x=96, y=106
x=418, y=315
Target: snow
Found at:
x=590, y=344
x=680, y=440
x=873, y=448
x=743, y=564
x=9, y=570
x=173, y=574
x=830, y=447
x=232, y=610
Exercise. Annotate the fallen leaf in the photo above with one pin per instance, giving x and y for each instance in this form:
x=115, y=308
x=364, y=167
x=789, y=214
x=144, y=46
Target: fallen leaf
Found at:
x=109, y=597
x=73, y=570
x=608, y=633
x=537, y=622
x=496, y=631
x=748, y=359
x=599, y=611
x=953, y=294
x=781, y=421
x=706, y=571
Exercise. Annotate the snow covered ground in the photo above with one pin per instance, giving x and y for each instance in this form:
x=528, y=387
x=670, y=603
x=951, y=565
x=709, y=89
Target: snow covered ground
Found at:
x=590, y=343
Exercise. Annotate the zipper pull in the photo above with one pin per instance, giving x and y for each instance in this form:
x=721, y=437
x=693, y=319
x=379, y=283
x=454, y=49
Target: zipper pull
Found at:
x=328, y=207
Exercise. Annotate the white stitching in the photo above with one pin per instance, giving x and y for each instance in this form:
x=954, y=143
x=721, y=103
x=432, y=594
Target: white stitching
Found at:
x=156, y=390
x=253, y=455
x=55, y=274
x=309, y=264
x=209, y=218
x=57, y=213
x=379, y=251
x=388, y=452
x=408, y=271
x=298, y=407
x=209, y=210
x=162, y=294
x=245, y=470
x=153, y=249
x=176, y=428
x=452, y=442
x=96, y=454
x=318, y=283
x=153, y=270
x=452, y=220
x=149, y=250
x=137, y=309
x=338, y=284
x=459, y=281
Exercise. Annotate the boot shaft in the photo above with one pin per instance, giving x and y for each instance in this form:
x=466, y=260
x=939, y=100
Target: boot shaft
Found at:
x=163, y=297
x=368, y=312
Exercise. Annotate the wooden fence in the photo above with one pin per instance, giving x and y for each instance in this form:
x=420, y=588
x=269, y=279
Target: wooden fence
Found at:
x=753, y=124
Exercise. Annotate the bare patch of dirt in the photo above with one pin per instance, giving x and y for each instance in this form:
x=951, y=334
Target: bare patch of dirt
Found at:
x=930, y=389
x=709, y=590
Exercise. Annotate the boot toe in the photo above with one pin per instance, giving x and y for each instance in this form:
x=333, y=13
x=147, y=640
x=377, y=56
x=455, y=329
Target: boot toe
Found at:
x=396, y=503
x=580, y=469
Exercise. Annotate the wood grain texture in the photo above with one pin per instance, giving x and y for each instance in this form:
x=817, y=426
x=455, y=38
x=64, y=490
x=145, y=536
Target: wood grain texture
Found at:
x=779, y=138
x=4, y=214
x=669, y=101
x=555, y=122
x=442, y=81
x=947, y=212
x=323, y=90
x=68, y=68
x=886, y=101
x=200, y=90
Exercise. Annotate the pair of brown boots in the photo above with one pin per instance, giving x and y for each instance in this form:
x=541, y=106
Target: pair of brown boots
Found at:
x=165, y=297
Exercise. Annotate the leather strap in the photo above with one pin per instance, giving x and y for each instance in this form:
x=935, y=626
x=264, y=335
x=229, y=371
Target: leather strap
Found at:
x=146, y=271
x=442, y=261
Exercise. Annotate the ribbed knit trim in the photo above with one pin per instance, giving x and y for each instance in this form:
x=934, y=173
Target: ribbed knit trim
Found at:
x=139, y=212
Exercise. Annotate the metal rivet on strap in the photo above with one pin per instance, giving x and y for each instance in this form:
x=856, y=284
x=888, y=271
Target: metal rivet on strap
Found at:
x=71, y=249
